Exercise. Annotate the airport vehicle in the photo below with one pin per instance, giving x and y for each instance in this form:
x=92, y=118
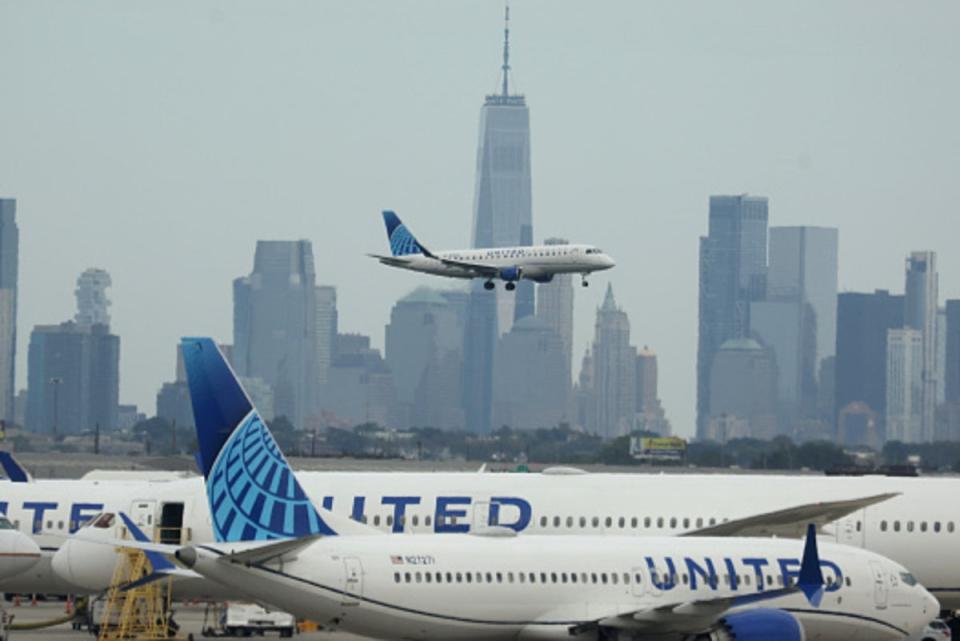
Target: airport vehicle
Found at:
x=232, y=619
x=936, y=630
x=919, y=527
x=275, y=545
x=539, y=263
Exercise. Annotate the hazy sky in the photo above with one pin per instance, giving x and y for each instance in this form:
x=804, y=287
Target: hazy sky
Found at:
x=160, y=140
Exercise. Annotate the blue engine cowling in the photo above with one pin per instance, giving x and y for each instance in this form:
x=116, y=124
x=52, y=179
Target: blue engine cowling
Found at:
x=510, y=273
x=764, y=624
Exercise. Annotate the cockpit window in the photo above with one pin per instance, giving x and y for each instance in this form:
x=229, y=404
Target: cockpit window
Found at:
x=103, y=521
x=5, y=523
x=908, y=578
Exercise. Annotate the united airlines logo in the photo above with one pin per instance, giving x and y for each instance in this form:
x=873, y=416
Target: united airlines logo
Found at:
x=402, y=242
x=253, y=494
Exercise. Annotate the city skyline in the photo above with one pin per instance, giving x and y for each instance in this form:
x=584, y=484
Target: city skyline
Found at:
x=173, y=215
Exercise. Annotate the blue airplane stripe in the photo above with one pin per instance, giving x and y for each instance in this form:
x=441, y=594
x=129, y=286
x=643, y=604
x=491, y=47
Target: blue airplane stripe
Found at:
x=250, y=533
x=247, y=502
x=301, y=523
x=277, y=516
x=244, y=491
x=224, y=512
x=235, y=527
x=266, y=473
x=288, y=518
x=255, y=511
x=275, y=486
x=266, y=511
x=224, y=527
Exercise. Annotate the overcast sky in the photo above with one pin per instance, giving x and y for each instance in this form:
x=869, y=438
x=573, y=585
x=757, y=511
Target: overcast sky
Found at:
x=160, y=140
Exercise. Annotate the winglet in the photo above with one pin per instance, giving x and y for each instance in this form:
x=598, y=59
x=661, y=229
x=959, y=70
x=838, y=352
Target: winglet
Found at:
x=402, y=242
x=810, y=580
x=12, y=468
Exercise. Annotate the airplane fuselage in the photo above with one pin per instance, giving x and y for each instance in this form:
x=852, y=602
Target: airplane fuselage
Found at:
x=920, y=528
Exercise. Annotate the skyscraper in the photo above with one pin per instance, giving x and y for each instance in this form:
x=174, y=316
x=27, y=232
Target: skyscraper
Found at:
x=555, y=308
x=73, y=378
x=650, y=414
x=952, y=367
x=904, y=411
x=733, y=273
x=614, y=371
x=529, y=377
x=861, y=365
x=327, y=325
x=92, y=302
x=9, y=261
x=743, y=392
x=423, y=347
x=920, y=312
x=502, y=216
x=275, y=328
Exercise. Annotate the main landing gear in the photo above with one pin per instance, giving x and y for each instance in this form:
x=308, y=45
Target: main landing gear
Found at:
x=488, y=285
x=510, y=286
x=583, y=280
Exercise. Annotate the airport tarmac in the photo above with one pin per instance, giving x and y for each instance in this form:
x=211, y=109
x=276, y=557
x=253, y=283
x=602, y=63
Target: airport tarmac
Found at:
x=189, y=617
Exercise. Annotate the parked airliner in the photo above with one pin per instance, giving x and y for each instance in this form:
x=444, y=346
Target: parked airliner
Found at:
x=538, y=263
x=275, y=546
x=18, y=552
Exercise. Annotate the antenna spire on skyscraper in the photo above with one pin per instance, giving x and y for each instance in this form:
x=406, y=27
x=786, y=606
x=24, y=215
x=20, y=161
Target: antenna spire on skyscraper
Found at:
x=506, y=50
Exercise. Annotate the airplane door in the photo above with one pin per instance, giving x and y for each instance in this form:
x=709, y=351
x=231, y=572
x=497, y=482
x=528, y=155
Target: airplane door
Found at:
x=638, y=581
x=142, y=513
x=352, y=581
x=850, y=531
x=879, y=585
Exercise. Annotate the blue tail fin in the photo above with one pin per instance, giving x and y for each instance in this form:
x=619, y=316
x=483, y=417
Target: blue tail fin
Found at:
x=252, y=491
x=12, y=468
x=402, y=242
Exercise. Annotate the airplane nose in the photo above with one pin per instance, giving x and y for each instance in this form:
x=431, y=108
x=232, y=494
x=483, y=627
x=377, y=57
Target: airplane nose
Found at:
x=608, y=262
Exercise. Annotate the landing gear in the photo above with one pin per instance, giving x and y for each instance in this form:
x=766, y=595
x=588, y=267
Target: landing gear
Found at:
x=488, y=285
x=583, y=280
x=510, y=286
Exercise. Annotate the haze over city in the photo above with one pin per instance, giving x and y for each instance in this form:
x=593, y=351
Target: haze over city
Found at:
x=160, y=142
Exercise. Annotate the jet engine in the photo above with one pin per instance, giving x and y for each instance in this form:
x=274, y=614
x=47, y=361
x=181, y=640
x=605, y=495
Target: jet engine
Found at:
x=764, y=624
x=510, y=274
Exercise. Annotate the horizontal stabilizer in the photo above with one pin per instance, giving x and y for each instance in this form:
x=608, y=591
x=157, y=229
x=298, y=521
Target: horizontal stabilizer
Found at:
x=13, y=470
x=791, y=522
x=263, y=551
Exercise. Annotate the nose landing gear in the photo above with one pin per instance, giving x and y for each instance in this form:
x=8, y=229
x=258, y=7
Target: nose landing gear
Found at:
x=583, y=280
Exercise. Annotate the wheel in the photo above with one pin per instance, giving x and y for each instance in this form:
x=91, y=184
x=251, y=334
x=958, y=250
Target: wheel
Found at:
x=488, y=285
x=585, y=284
x=511, y=286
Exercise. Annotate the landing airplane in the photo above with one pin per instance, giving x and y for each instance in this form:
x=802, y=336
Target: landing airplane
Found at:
x=275, y=546
x=539, y=263
x=918, y=527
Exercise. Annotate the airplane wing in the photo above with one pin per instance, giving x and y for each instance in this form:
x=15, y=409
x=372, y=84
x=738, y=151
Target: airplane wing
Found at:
x=485, y=271
x=392, y=261
x=791, y=522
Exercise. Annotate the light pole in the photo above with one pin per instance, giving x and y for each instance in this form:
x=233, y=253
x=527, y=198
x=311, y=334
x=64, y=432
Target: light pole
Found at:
x=56, y=381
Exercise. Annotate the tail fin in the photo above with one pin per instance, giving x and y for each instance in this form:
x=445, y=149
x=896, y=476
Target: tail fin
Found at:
x=13, y=469
x=252, y=491
x=810, y=580
x=402, y=242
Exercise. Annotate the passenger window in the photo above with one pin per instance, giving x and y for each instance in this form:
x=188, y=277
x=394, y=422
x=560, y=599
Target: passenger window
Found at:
x=583, y=577
x=593, y=577
x=626, y=578
x=622, y=522
x=713, y=521
x=573, y=577
x=563, y=577
x=543, y=521
x=950, y=526
x=613, y=578
x=49, y=525
x=556, y=521
x=660, y=522
x=569, y=521
x=859, y=526
x=686, y=523
x=936, y=526
x=533, y=577
x=468, y=576
x=553, y=577
x=450, y=578
x=633, y=522
x=596, y=521
x=699, y=522
x=673, y=523
x=59, y=525
x=849, y=582
x=417, y=576
x=396, y=577
x=509, y=577
x=583, y=521
x=489, y=577
x=603, y=577
x=636, y=578
x=883, y=526
x=923, y=526
x=439, y=578
x=389, y=519
x=406, y=577
x=608, y=522
x=909, y=526
x=426, y=520
x=522, y=577
x=427, y=577
x=746, y=579
x=416, y=520
x=646, y=522
x=896, y=526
